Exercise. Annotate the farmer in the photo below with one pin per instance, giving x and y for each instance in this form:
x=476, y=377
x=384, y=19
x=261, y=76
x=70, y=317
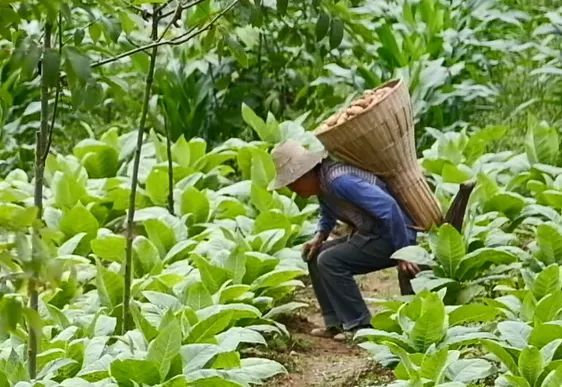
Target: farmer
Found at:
x=379, y=225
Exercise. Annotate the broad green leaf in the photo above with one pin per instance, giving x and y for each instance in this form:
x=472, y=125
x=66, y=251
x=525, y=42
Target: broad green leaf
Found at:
x=164, y=347
x=549, y=240
x=433, y=364
x=390, y=45
x=14, y=217
x=209, y=327
x=257, y=124
x=195, y=202
x=258, y=368
x=104, y=162
x=77, y=64
x=68, y=247
x=275, y=278
x=239, y=311
x=531, y=364
x=229, y=208
x=227, y=360
x=236, y=264
x=51, y=67
x=474, y=263
x=336, y=33
x=55, y=368
x=542, y=144
x=516, y=333
x=322, y=26
x=448, y=247
x=109, y=286
x=157, y=186
x=549, y=307
x=105, y=326
x=553, y=379
x=502, y=354
x=430, y=327
x=180, y=250
x=542, y=334
x=515, y=381
x=231, y=293
x=456, y=173
x=67, y=190
x=547, y=281
x=263, y=169
x=94, y=349
x=196, y=356
x=146, y=254
x=509, y=203
x=129, y=371
x=162, y=300
x=472, y=313
x=160, y=234
x=146, y=327
x=213, y=276
x=415, y=254
x=109, y=246
x=232, y=338
x=549, y=350
x=198, y=296
x=284, y=309
x=383, y=336
x=469, y=370
x=78, y=220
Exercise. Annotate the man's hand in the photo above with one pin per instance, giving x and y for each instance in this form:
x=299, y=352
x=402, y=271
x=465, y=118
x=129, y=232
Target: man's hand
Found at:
x=311, y=249
x=409, y=267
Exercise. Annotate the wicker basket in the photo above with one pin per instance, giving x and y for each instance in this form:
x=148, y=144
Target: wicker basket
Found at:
x=381, y=139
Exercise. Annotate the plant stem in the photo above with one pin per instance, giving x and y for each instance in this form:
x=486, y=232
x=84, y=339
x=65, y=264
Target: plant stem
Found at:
x=40, y=149
x=57, y=98
x=170, y=169
x=126, y=317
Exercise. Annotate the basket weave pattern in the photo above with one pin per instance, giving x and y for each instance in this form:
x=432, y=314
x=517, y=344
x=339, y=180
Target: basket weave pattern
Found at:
x=381, y=139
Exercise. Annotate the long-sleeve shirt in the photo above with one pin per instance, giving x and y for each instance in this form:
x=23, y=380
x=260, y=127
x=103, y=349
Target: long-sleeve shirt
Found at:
x=376, y=202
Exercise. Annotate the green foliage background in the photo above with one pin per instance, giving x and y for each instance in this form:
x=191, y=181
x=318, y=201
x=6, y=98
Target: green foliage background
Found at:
x=214, y=269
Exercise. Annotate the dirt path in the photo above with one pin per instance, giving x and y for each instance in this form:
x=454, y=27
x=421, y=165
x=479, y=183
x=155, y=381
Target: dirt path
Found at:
x=314, y=361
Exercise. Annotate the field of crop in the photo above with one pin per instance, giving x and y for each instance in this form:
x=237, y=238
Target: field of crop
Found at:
x=140, y=245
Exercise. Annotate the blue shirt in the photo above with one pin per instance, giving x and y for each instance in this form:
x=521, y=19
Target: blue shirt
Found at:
x=376, y=202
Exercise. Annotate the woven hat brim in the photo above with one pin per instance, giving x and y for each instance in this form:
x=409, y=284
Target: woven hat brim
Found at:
x=290, y=175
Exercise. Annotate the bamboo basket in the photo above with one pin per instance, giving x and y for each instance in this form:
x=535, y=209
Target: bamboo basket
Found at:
x=381, y=139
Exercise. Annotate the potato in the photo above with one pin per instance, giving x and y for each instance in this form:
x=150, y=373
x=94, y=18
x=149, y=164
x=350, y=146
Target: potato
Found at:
x=342, y=118
x=354, y=110
x=331, y=121
x=362, y=102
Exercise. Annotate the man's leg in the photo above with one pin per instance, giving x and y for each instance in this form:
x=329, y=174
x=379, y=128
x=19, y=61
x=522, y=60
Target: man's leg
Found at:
x=328, y=313
x=336, y=267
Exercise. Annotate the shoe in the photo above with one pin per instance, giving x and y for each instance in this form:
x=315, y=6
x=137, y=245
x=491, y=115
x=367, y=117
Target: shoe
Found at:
x=349, y=334
x=329, y=332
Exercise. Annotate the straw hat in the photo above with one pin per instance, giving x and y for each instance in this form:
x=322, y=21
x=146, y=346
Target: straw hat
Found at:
x=292, y=161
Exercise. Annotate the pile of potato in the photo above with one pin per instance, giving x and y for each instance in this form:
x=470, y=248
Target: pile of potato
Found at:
x=367, y=100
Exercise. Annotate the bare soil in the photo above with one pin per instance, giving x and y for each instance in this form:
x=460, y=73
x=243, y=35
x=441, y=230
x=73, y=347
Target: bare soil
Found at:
x=315, y=361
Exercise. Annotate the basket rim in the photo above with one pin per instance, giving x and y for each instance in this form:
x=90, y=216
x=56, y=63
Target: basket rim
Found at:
x=394, y=84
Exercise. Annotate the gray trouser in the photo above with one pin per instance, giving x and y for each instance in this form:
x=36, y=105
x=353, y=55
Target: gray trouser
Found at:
x=332, y=277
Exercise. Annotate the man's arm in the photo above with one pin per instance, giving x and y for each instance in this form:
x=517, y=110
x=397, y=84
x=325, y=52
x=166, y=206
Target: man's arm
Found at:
x=377, y=203
x=326, y=223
